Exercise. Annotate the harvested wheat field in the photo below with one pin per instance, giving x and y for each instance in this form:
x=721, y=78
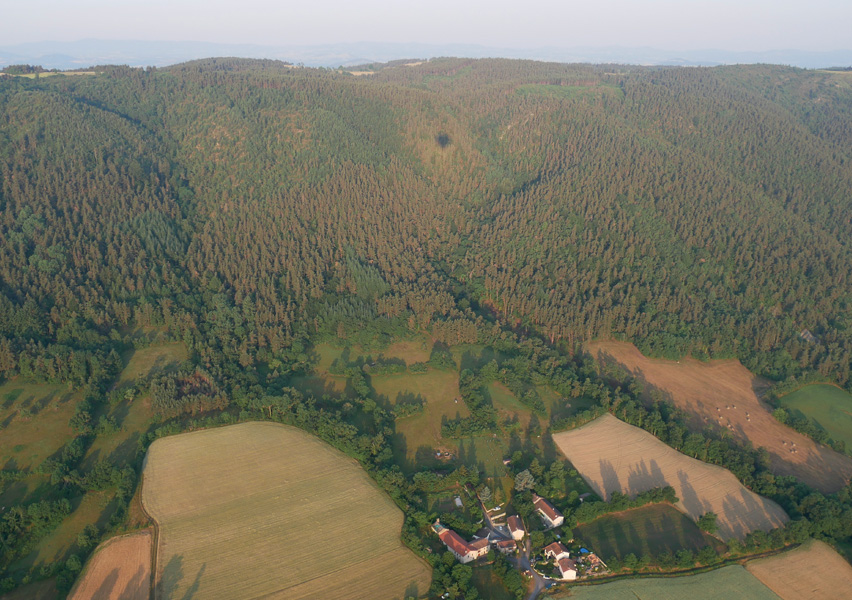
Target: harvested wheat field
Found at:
x=724, y=394
x=614, y=456
x=120, y=569
x=811, y=571
x=264, y=510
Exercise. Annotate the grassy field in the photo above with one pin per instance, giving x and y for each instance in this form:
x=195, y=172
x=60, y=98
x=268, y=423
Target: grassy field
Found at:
x=828, y=405
x=93, y=508
x=153, y=360
x=34, y=422
x=647, y=530
x=40, y=590
x=614, y=456
x=119, y=569
x=728, y=583
x=259, y=509
x=827, y=575
x=723, y=394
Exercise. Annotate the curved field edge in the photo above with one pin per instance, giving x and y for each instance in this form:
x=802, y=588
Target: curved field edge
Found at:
x=614, y=456
x=262, y=509
x=723, y=395
x=813, y=570
x=728, y=583
x=119, y=569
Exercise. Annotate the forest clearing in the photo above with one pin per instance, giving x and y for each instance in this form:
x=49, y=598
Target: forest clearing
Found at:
x=828, y=405
x=120, y=569
x=727, y=583
x=614, y=456
x=723, y=394
x=269, y=516
x=813, y=570
x=650, y=530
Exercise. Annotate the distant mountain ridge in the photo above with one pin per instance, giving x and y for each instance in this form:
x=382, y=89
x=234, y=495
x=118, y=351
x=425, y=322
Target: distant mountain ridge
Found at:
x=83, y=53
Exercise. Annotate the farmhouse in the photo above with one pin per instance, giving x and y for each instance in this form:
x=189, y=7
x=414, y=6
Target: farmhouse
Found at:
x=556, y=550
x=505, y=546
x=465, y=552
x=551, y=517
x=567, y=568
x=516, y=527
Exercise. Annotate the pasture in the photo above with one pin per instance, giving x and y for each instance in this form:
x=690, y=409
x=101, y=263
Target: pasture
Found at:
x=828, y=405
x=119, y=569
x=614, y=456
x=813, y=570
x=34, y=422
x=724, y=395
x=651, y=530
x=152, y=360
x=727, y=583
x=261, y=509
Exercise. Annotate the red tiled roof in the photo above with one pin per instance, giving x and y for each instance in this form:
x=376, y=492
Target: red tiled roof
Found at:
x=506, y=544
x=478, y=544
x=567, y=564
x=456, y=543
x=556, y=548
x=546, y=507
x=515, y=523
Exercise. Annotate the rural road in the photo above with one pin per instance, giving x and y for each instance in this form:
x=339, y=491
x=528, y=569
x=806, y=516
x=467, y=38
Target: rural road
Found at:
x=523, y=560
x=524, y=564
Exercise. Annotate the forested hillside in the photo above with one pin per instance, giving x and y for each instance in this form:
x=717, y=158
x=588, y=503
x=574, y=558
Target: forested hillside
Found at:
x=202, y=238
x=249, y=206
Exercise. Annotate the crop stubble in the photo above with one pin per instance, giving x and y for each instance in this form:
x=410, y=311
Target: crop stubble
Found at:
x=120, y=569
x=813, y=570
x=264, y=510
x=721, y=394
x=614, y=456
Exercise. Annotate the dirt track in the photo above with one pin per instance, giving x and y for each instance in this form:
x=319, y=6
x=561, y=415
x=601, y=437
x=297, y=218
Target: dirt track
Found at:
x=723, y=394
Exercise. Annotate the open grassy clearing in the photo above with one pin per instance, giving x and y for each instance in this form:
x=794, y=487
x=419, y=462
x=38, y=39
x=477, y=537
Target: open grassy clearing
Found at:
x=34, y=422
x=152, y=360
x=647, y=530
x=811, y=571
x=728, y=583
x=119, y=569
x=257, y=509
x=614, y=456
x=828, y=405
x=133, y=419
x=419, y=435
x=40, y=590
x=93, y=508
x=723, y=394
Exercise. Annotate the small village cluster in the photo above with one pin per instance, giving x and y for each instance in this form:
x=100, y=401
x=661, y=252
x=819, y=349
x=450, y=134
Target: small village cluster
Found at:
x=567, y=566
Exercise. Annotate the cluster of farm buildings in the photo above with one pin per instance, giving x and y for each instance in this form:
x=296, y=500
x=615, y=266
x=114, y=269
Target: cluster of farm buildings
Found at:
x=467, y=552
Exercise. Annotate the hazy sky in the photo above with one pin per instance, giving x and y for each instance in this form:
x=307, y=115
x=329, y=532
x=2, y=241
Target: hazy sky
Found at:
x=668, y=24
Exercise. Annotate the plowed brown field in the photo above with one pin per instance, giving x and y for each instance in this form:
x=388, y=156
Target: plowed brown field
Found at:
x=614, y=456
x=724, y=394
x=120, y=569
x=813, y=571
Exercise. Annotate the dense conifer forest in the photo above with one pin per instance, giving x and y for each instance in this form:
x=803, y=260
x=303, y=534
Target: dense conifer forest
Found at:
x=253, y=209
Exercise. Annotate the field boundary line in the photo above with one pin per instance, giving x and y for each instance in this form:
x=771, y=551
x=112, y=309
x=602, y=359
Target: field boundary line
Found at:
x=155, y=543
